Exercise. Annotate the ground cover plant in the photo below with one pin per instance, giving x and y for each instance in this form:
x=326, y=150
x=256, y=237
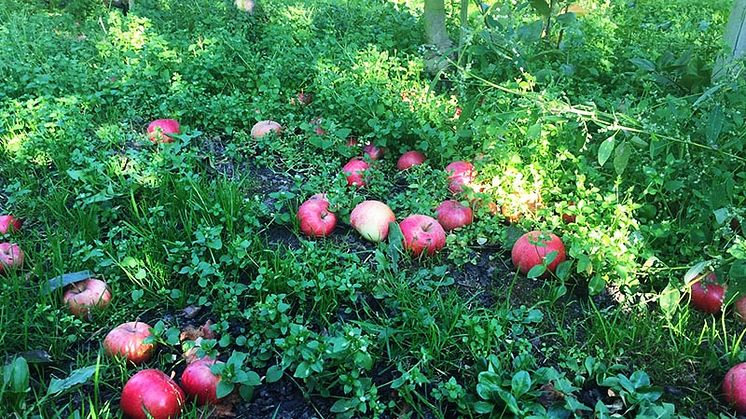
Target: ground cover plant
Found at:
x=297, y=209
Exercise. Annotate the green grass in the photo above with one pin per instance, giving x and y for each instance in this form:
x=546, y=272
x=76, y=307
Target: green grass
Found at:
x=359, y=329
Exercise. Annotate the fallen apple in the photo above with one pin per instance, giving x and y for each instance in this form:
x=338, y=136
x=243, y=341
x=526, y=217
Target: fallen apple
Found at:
x=409, y=159
x=305, y=98
x=151, y=394
x=81, y=297
x=422, y=234
x=373, y=152
x=707, y=294
x=371, y=219
x=315, y=218
x=199, y=382
x=460, y=174
x=160, y=130
x=127, y=341
x=734, y=387
x=9, y=224
x=262, y=128
x=532, y=248
x=741, y=309
x=11, y=256
x=453, y=215
x=354, y=170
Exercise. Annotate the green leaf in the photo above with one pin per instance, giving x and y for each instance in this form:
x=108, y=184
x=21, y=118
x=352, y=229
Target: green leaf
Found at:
x=520, y=383
x=137, y=295
x=65, y=280
x=714, y=125
x=605, y=149
x=224, y=388
x=694, y=271
x=483, y=408
x=621, y=157
x=721, y=215
x=541, y=7
x=669, y=299
x=303, y=370
x=643, y=64
x=536, y=271
x=16, y=376
x=274, y=373
x=563, y=269
x=76, y=377
x=596, y=284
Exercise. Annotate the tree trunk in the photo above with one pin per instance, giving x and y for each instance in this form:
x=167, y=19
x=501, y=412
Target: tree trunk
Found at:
x=735, y=43
x=436, y=33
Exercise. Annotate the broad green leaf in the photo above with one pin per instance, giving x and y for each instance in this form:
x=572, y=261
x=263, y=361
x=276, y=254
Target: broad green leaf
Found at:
x=621, y=157
x=536, y=271
x=714, y=125
x=274, y=373
x=669, y=299
x=224, y=388
x=694, y=271
x=16, y=376
x=541, y=7
x=721, y=214
x=520, y=383
x=643, y=64
x=79, y=376
x=563, y=269
x=596, y=284
x=605, y=149
x=65, y=280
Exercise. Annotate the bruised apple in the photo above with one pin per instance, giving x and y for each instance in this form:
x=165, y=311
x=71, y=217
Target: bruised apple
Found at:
x=262, y=128
x=409, y=159
x=315, y=218
x=160, y=130
x=452, y=215
x=9, y=224
x=354, y=170
x=532, y=248
x=371, y=219
x=460, y=174
x=84, y=295
x=128, y=341
x=199, y=382
x=707, y=294
x=153, y=392
x=422, y=234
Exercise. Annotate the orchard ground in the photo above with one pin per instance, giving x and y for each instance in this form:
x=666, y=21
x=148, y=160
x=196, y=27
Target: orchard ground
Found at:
x=605, y=130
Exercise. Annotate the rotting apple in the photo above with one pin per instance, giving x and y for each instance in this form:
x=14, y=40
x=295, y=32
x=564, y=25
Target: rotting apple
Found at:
x=460, y=173
x=409, y=159
x=532, y=248
x=9, y=224
x=127, y=341
x=160, y=130
x=452, y=215
x=707, y=294
x=354, y=170
x=81, y=297
x=262, y=128
x=199, y=382
x=11, y=256
x=373, y=152
x=422, y=234
x=153, y=392
x=315, y=218
x=371, y=219
x=734, y=387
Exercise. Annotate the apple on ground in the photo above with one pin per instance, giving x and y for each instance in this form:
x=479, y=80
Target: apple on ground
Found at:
x=409, y=159
x=707, y=294
x=371, y=219
x=734, y=387
x=153, y=392
x=354, y=170
x=81, y=297
x=373, y=152
x=305, y=98
x=460, y=174
x=9, y=224
x=160, y=130
x=199, y=382
x=422, y=234
x=452, y=215
x=532, y=248
x=315, y=218
x=11, y=256
x=127, y=341
x=262, y=128
x=741, y=309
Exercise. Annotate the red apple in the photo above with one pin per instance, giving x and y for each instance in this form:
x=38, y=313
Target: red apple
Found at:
x=422, y=234
x=305, y=98
x=460, y=174
x=11, y=256
x=371, y=219
x=734, y=387
x=153, y=392
x=9, y=224
x=126, y=341
x=352, y=141
x=354, y=170
x=316, y=123
x=159, y=130
x=315, y=218
x=373, y=152
x=409, y=159
x=82, y=296
x=452, y=215
x=262, y=128
x=199, y=382
x=741, y=309
x=569, y=218
x=531, y=249
x=707, y=294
